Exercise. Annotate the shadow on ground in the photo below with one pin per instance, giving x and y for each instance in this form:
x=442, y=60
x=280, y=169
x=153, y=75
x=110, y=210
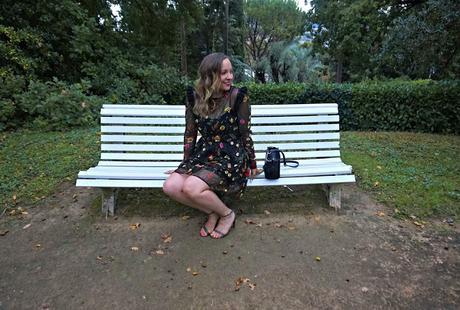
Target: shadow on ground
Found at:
x=289, y=250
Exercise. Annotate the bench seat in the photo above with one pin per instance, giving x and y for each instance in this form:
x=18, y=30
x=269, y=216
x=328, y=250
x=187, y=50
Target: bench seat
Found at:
x=140, y=142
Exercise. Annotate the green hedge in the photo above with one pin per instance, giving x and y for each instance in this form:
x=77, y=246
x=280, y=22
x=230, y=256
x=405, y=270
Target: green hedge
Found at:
x=422, y=106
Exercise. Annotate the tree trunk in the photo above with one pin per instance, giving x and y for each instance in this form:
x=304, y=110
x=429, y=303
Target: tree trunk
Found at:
x=183, y=47
x=338, y=72
x=226, y=28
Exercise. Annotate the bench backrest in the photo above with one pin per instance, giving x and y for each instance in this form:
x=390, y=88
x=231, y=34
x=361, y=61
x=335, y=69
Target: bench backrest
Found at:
x=152, y=135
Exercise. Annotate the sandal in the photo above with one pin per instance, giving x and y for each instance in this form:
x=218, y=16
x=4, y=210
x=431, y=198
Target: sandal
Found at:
x=204, y=232
x=221, y=234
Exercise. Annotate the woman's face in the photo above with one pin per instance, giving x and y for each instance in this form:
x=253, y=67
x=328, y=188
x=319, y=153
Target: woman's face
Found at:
x=226, y=75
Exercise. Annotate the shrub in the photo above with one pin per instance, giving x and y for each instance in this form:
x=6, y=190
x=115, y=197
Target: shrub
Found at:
x=55, y=105
x=10, y=86
x=423, y=105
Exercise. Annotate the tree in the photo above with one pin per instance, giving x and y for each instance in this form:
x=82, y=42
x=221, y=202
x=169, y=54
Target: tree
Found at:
x=267, y=22
x=424, y=43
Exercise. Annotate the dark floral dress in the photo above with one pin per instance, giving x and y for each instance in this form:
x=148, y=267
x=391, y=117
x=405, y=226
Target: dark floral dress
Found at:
x=224, y=154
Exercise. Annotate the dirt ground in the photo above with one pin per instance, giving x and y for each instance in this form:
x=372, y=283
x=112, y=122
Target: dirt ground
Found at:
x=290, y=252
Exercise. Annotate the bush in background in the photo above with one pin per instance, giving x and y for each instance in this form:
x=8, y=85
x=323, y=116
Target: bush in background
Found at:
x=56, y=105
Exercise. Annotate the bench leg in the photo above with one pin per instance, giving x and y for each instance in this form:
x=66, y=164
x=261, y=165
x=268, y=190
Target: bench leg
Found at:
x=108, y=201
x=333, y=193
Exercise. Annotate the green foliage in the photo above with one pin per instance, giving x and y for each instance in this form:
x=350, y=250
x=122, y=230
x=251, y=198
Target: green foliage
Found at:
x=424, y=106
x=10, y=86
x=55, y=105
x=415, y=174
x=267, y=22
x=388, y=38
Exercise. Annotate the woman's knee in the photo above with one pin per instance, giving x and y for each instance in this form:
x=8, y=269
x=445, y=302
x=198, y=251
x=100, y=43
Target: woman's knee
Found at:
x=191, y=188
x=172, y=187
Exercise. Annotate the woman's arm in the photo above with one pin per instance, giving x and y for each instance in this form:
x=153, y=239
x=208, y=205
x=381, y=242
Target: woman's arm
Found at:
x=244, y=122
x=190, y=125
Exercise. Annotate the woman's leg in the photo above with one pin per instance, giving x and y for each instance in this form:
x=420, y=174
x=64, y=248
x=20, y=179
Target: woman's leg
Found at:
x=173, y=187
x=200, y=193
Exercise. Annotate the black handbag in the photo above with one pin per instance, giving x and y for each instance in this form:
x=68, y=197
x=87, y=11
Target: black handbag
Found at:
x=273, y=162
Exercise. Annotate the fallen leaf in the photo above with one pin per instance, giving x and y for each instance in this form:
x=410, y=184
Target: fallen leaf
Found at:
x=291, y=227
x=380, y=213
x=364, y=289
x=189, y=269
x=318, y=258
x=3, y=232
x=24, y=212
x=134, y=248
x=185, y=217
x=267, y=212
x=12, y=212
x=99, y=257
x=379, y=167
x=159, y=252
x=26, y=226
x=259, y=225
x=249, y=221
x=418, y=224
x=377, y=183
x=14, y=198
x=135, y=226
x=252, y=286
x=240, y=281
x=278, y=225
x=38, y=245
x=195, y=273
x=167, y=238
x=413, y=217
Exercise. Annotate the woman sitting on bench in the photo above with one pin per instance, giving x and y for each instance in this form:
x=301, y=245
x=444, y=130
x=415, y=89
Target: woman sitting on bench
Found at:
x=216, y=167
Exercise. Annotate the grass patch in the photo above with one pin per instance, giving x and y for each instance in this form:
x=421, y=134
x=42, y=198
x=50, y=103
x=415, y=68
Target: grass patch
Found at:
x=33, y=163
x=417, y=174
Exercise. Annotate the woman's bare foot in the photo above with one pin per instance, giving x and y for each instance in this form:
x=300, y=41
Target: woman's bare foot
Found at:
x=210, y=224
x=226, y=222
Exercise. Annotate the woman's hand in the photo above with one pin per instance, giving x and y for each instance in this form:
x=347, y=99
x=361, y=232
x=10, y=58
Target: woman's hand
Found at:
x=255, y=172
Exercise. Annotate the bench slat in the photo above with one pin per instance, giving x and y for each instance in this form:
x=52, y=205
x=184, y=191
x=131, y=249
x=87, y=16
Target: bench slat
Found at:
x=256, y=182
x=255, y=137
x=283, y=110
x=255, y=120
x=142, y=173
x=174, y=164
x=181, y=106
x=179, y=156
x=255, y=129
x=180, y=147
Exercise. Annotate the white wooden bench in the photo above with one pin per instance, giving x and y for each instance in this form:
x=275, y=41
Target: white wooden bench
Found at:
x=140, y=142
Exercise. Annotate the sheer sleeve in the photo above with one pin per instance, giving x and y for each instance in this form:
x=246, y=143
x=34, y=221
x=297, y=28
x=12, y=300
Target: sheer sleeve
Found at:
x=244, y=122
x=190, y=124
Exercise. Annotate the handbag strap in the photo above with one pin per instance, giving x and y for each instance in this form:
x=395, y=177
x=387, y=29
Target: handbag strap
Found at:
x=285, y=162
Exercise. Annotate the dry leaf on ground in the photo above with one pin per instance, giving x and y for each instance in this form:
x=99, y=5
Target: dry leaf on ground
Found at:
x=380, y=213
x=134, y=248
x=267, y=212
x=135, y=226
x=185, y=217
x=26, y=226
x=167, y=238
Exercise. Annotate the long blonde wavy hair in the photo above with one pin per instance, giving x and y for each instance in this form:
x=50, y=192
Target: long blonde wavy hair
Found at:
x=208, y=83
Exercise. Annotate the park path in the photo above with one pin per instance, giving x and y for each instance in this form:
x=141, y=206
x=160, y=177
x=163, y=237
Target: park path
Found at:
x=70, y=257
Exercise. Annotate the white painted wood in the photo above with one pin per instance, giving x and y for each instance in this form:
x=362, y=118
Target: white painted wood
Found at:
x=158, y=173
x=179, y=156
x=256, y=182
x=180, y=147
x=181, y=106
x=142, y=129
x=174, y=164
x=255, y=120
x=295, y=128
x=144, y=120
x=255, y=137
x=295, y=119
x=285, y=110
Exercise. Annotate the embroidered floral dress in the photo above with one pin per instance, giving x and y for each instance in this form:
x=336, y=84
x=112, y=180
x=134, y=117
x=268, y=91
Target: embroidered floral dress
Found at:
x=224, y=154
